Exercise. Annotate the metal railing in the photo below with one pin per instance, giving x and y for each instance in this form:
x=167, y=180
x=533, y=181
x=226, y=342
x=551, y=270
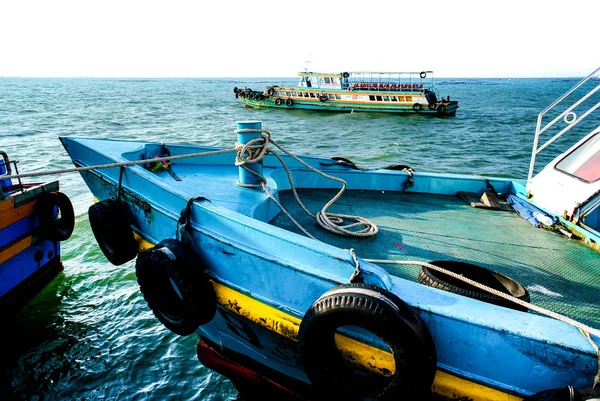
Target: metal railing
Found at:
x=569, y=117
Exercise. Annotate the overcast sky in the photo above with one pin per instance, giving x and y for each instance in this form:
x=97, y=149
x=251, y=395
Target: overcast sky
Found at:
x=264, y=38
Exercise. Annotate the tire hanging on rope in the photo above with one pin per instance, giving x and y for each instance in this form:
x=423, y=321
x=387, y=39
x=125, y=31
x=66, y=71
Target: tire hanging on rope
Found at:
x=173, y=282
x=46, y=207
x=383, y=314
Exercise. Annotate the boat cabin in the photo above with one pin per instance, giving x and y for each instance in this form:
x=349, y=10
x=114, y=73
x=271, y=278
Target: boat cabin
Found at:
x=569, y=186
x=371, y=81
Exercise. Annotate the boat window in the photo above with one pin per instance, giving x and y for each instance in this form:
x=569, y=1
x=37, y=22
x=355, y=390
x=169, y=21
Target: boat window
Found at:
x=337, y=96
x=386, y=98
x=379, y=98
x=400, y=98
x=393, y=98
x=371, y=97
x=312, y=94
x=409, y=98
x=584, y=161
x=306, y=94
x=327, y=80
x=331, y=96
x=287, y=93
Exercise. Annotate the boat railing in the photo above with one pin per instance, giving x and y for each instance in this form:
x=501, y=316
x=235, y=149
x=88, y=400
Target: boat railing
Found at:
x=569, y=117
x=6, y=185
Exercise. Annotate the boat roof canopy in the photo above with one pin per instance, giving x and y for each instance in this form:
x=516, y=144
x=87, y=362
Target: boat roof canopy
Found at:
x=320, y=74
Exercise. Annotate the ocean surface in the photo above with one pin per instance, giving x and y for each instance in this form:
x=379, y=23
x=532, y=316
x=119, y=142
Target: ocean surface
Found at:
x=89, y=334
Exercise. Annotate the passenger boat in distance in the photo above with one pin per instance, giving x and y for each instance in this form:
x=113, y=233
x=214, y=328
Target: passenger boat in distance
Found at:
x=388, y=92
x=410, y=283
x=34, y=218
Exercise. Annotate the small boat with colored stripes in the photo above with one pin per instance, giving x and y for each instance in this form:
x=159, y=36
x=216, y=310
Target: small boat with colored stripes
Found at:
x=312, y=278
x=34, y=219
x=386, y=92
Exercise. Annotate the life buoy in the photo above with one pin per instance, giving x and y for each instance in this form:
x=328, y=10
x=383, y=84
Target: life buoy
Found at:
x=423, y=74
x=289, y=102
x=500, y=282
x=46, y=207
x=109, y=220
x=417, y=107
x=345, y=75
x=383, y=314
x=278, y=102
x=172, y=280
x=270, y=91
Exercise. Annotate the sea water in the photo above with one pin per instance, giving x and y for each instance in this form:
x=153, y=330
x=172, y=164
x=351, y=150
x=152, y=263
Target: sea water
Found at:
x=89, y=334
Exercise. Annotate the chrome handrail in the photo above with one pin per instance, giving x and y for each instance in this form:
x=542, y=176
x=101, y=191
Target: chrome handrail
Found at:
x=564, y=115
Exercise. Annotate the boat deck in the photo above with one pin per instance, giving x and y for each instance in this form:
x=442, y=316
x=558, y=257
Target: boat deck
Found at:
x=560, y=274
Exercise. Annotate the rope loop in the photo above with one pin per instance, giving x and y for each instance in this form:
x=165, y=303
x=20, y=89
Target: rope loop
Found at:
x=253, y=151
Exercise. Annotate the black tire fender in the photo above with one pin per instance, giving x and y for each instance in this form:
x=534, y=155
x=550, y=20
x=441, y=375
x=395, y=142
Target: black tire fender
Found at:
x=270, y=91
x=50, y=228
x=441, y=109
x=110, y=221
x=383, y=314
x=417, y=107
x=423, y=74
x=490, y=278
x=289, y=102
x=278, y=102
x=173, y=282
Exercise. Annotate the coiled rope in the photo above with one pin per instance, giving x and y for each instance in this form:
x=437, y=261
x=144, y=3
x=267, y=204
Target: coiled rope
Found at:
x=257, y=148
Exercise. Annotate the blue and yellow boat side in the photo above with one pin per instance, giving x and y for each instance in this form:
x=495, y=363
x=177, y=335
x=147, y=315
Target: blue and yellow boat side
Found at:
x=266, y=276
x=29, y=237
x=402, y=92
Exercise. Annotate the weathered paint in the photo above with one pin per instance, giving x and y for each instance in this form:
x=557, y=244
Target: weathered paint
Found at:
x=502, y=349
x=10, y=214
x=14, y=248
x=371, y=358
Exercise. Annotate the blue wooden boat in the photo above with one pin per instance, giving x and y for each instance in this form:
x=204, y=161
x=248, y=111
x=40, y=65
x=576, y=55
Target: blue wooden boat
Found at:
x=30, y=234
x=387, y=92
x=407, y=283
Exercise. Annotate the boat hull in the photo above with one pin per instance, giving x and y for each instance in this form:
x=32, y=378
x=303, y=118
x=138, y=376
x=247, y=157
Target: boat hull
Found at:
x=350, y=102
x=266, y=278
x=27, y=260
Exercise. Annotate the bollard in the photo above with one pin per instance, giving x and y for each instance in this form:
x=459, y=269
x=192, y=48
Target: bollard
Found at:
x=245, y=177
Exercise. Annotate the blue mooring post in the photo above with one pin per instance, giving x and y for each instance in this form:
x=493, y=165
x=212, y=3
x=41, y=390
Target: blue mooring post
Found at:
x=243, y=138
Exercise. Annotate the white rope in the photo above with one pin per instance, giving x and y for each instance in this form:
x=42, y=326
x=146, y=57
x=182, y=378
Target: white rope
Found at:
x=584, y=329
x=329, y=221
x=118, y=164
x=557, y=316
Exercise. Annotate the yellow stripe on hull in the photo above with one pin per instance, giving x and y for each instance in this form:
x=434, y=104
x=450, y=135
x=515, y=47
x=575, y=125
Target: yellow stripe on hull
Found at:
x=372, y=358
x=15, y=248
x=10, y=214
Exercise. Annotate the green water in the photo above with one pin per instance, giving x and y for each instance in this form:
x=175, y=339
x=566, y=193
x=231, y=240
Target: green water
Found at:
x=89, y=334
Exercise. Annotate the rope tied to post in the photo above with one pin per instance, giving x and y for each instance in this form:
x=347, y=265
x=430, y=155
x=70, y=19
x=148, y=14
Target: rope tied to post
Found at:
x=256, y=149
